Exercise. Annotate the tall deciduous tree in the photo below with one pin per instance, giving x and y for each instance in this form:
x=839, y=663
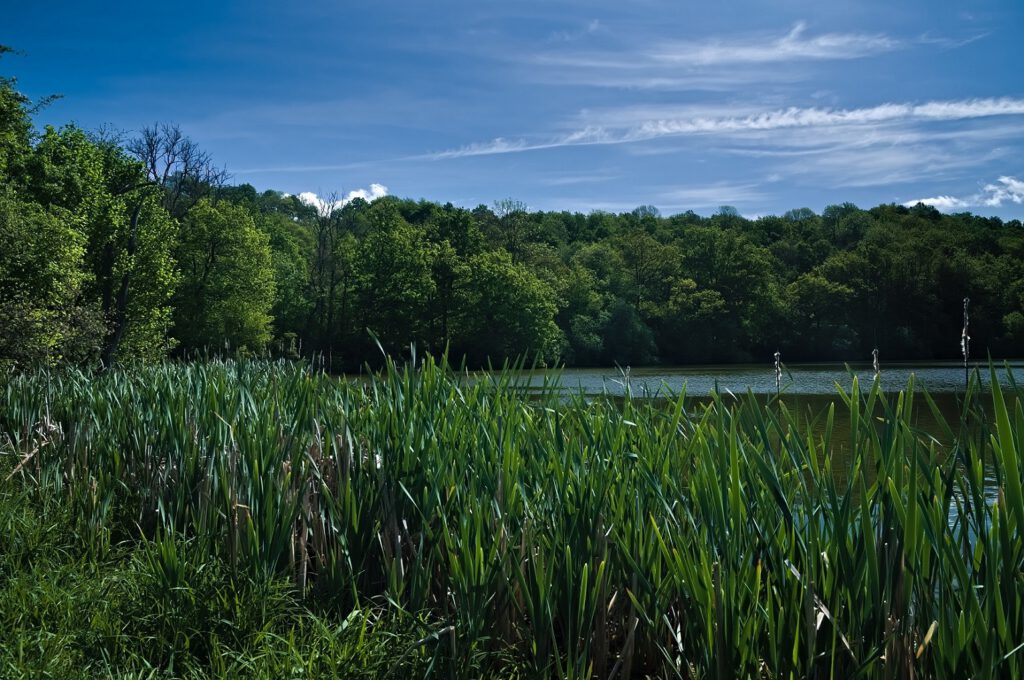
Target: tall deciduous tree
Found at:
x=41, y=317
x=507, y=311
x=40, y=252
x=128, y=235
x=15, y=125
x=290, y=244
x=228, y=286
x=394, y=279
x=514, y=226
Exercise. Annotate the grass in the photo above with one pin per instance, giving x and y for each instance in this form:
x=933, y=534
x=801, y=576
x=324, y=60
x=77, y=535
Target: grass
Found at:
x=70, y=612
x=257, y=519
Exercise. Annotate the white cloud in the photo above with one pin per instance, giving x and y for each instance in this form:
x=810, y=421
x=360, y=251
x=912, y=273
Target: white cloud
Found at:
x=325, y=206
x=495, y=146
x=795, y=117
x=794, y=46
x=943, y=203
x=712, y=195
x=637, y=60
x=715, y=63
x=863, y=155
x=567, y=180
x=1004, y=190
x=626, y=126
x=375, y=191
x=883, y=161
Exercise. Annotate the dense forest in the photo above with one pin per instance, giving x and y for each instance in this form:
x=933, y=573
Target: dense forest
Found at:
x=117, y=248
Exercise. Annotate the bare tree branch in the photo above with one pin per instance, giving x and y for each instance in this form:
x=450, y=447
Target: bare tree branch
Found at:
x=177, y=164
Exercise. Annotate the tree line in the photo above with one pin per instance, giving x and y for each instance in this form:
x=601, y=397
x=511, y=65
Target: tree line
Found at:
x=118, y=249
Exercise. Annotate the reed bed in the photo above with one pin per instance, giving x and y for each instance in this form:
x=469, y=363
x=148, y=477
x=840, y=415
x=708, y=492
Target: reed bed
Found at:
x=531, y=533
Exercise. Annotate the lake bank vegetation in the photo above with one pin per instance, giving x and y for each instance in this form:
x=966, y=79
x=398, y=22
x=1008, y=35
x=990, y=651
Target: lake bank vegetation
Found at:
x=120, y=247
x=222, y=518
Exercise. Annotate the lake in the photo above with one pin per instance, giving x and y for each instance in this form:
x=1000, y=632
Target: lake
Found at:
x=797, y=379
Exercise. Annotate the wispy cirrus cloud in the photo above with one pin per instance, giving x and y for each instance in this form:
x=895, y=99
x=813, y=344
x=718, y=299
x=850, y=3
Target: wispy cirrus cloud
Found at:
x=883, y=164
x=495, y=146
x=712, y=195
x=590, y=28
x=950, y=43
x=796, y=45
x=1006, y=189
x=626, y=129
x=718, y=63
x=583, y=178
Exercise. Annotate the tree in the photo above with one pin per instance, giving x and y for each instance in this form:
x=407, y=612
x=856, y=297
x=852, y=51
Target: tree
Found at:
x=582, y=315
x=514, y=226
x=628, y=340
x=746, y=276
x=650, y=265
x=228, y=285
x=41, y=277
x=290, y=250
x=15, y=124
x=448, y=273
x=817, y=314
x=506, y=312
x=128, y=235
x=696, y=320
x=177, y=164
x=457, y=227
x=393, y=274
x=324, y=273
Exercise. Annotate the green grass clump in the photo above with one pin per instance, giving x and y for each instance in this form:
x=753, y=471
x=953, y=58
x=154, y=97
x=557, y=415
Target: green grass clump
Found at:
x=257, y=519
x=154, y=609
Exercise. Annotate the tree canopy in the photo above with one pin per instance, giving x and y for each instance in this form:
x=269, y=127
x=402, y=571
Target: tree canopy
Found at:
x=115, y=249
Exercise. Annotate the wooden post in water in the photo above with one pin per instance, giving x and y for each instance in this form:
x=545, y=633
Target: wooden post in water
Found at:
x=875, y=364
x=965, y=344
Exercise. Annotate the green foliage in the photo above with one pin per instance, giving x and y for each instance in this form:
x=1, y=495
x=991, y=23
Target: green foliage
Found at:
x=289, y=244
x=627, y=339
x=583, y=315
x=506, y=311
x=817, y=310
x=698, y=315
x=128, y=236
x=15, y=126
x=40, y=283
x=228, y=285
x=394, y=278
x=716, y=289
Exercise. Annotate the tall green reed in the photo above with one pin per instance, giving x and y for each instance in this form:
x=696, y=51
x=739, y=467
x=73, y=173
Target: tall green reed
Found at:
x=560, y=534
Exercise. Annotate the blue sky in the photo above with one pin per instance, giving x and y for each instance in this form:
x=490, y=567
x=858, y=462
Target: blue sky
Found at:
x=574, y=105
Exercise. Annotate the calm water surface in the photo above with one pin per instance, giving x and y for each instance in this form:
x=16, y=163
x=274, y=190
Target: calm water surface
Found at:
x=797, y=379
